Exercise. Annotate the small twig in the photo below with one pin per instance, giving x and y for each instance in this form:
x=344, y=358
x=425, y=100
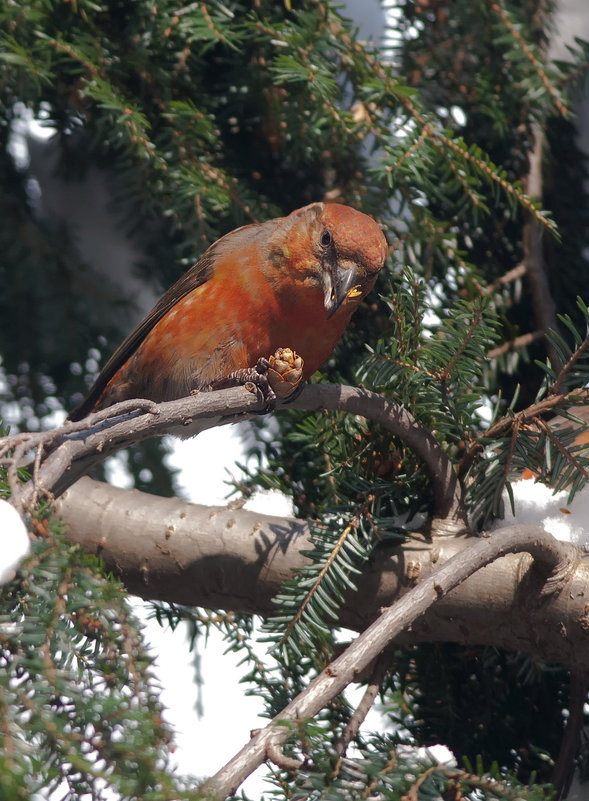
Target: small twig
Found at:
x=525, y=48
x=526, y=416
x=560, y=447
x=351, y=526
x=567, y=80
x=445, y=374
x=349, y=733
x=388, y=768
x=413, y=793
x=507, y=278
x=544, y=406
x=512, y=444
x=116, y=410
x=544, y=307
x=519, y=342
x=409, y=152
x=488, y=784
x=275, y=753
x=524, y=200
x=556, y=388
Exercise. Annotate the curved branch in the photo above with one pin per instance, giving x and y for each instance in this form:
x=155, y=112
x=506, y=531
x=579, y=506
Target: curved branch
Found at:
x=401, y=423
x=552, y=558
x=70, y=451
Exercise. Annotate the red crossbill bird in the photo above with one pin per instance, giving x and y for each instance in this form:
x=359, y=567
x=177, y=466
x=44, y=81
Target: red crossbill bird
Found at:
x=292, y=282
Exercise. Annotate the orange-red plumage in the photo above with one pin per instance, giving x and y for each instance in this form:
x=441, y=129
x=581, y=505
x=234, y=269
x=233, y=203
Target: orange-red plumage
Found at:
x=290, y=282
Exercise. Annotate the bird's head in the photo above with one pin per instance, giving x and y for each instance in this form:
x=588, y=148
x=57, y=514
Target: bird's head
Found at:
x=336, y=248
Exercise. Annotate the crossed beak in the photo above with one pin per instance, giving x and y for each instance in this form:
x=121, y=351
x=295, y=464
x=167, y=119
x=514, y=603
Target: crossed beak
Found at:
x=339, y=282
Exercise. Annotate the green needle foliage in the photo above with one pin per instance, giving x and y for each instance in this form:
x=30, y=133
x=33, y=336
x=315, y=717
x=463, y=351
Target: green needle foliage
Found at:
x=80, y=709
x=380, y=771
x=200, y=117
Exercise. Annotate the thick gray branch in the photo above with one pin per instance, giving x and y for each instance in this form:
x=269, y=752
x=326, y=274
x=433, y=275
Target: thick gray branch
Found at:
x=225, y=558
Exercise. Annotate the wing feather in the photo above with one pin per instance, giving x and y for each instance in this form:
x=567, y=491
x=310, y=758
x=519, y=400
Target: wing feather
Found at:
x=197, y=275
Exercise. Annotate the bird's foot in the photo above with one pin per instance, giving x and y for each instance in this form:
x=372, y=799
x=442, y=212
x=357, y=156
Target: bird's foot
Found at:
x=279, y=376
x=257, y=377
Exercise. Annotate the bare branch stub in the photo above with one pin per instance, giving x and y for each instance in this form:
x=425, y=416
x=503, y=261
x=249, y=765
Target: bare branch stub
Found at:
x=380, y=670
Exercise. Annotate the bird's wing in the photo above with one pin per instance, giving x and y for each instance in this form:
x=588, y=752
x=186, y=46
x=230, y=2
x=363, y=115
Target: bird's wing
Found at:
x=197, y=275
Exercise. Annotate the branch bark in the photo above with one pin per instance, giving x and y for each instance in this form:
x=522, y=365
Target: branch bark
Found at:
x=379, y=671
x=237, y=560
x=70, y=451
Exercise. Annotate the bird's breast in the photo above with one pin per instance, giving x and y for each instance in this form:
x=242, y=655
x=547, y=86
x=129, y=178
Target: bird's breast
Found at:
x=222, y=327
x=303, y=325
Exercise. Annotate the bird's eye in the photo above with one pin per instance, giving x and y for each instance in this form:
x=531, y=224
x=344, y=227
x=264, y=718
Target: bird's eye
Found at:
x=326, y=238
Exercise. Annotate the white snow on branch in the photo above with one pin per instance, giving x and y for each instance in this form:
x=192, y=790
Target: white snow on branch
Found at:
x=538, y=505
x=14, y=541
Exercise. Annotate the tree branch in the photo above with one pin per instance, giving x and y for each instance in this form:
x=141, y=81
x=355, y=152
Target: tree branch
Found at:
x=519, y=342
x=220, y=558
x=379, y=671
x=71, y=450
x=553, y=563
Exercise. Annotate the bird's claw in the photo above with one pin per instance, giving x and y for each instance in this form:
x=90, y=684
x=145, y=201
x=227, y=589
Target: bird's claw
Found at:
x=255, y=376
x=279, y=376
